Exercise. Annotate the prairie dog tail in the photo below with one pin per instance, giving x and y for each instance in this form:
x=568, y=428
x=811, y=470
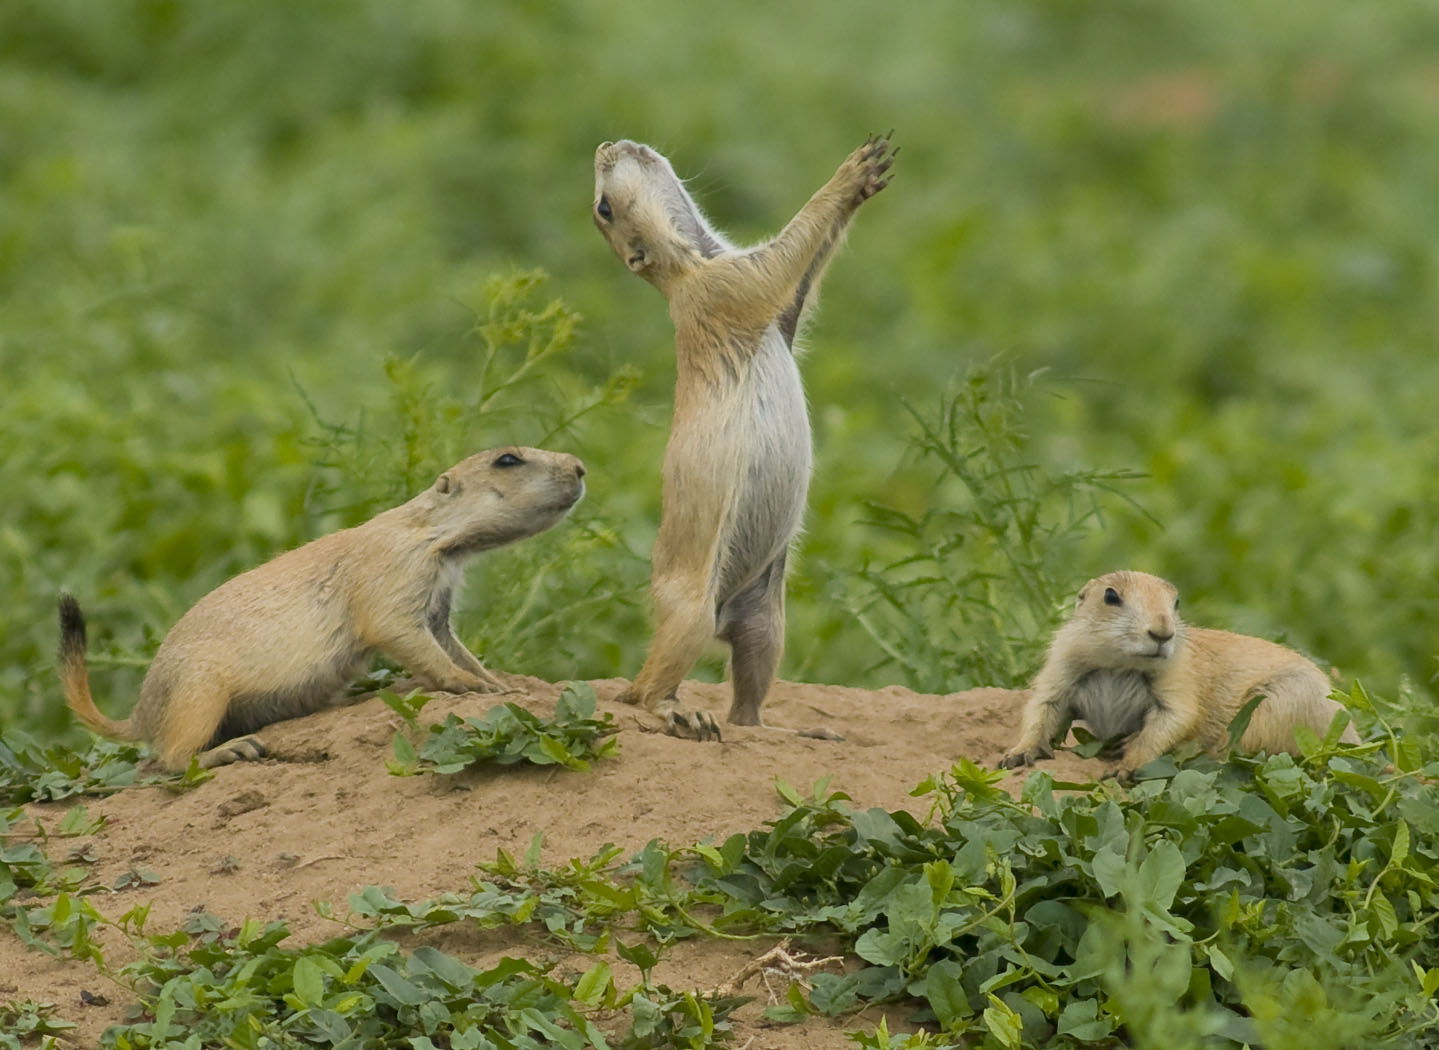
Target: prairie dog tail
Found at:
x=75, y=679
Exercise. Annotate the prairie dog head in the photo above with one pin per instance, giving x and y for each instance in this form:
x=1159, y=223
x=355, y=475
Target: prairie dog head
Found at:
x=642, y=209
x=1124, y=621
x=497, y=497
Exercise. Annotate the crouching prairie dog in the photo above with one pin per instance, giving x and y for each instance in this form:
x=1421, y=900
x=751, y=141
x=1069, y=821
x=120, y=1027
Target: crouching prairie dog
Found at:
x=284, y=639
x=737, y=466
x=1130, y=667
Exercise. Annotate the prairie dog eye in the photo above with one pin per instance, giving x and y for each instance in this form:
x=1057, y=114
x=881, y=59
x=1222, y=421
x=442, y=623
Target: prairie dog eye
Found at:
x=1111, y=597
x=509, y=459
x=604, y=210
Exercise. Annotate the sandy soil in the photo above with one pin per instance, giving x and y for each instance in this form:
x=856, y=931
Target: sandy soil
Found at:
x=322, y=818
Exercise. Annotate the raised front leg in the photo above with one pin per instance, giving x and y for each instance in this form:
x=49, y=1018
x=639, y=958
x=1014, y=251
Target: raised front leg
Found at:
x=789, y=320
x=772, y=280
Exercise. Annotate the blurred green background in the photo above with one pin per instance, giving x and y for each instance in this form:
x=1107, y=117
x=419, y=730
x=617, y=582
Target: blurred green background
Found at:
x=245, y=296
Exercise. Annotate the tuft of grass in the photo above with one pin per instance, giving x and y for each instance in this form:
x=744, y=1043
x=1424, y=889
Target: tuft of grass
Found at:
x=973, y=600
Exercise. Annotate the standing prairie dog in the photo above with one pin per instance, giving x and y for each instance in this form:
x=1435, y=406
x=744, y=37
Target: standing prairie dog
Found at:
x=1128, y=666
x=737, y=465
x=284, y=639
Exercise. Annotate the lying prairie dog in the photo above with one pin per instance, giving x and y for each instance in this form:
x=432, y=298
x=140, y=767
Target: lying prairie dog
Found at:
x=284, y=639
x=1129, y=666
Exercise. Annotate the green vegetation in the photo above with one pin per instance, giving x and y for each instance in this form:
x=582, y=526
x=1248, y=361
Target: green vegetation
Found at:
x=21, y=1023
x=31, y=772
x=507, y=734
x=1212, y=905
x=244, y=990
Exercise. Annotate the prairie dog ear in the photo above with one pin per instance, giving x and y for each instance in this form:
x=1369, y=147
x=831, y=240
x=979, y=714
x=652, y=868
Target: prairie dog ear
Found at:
x=445, y=484
x=1083, y=594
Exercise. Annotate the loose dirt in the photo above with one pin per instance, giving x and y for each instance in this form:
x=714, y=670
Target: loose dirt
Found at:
x=322, y=818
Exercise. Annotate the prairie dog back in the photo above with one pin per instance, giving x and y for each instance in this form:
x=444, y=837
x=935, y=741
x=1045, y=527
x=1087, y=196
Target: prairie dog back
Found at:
x=1129, y=666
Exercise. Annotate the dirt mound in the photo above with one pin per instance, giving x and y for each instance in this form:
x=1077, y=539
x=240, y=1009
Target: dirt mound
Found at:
x=323, y=818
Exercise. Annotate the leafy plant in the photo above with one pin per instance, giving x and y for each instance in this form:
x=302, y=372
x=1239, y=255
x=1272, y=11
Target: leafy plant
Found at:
x=1208, y=906
x=582, y=904
x=508, y=733
x=242, y=988
x=974, y=599
x=1181, y=910
x=24, y=1022
x=45, y=904
x=31, y=772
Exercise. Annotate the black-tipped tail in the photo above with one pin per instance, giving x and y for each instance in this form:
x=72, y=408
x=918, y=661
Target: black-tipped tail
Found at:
x=74, y=676
x=72, y=628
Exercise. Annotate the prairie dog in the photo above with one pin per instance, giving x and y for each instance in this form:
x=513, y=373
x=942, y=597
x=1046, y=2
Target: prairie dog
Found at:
x=284, y=639
x=1129, y=666
x=737, y=465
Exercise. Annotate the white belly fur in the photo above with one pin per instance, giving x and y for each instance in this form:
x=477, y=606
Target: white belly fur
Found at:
x=759, y=457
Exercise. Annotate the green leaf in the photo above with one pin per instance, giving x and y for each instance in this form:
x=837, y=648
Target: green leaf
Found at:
x=590, y=989
x=402, y=991
x=77, y=822
x=456, y=975
x=1399, y=851
x=308, y=980
x=943, y=989
x=787, y=792
x=639, y=956
x=1003, y=1023
x=1239, y=724
x=1161, y=874
x=405, y=758
x=1219, y=961
x=164, y=1014
x=1080, y=1019
x=1108, y=867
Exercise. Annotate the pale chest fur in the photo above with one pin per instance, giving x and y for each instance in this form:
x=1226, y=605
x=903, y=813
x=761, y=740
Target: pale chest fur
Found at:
x=1112, y=703
x=741, y=438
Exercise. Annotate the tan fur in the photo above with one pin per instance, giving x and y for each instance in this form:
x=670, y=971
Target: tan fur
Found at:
x=1135, y=669
x=737, y=466
x=284, y=639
